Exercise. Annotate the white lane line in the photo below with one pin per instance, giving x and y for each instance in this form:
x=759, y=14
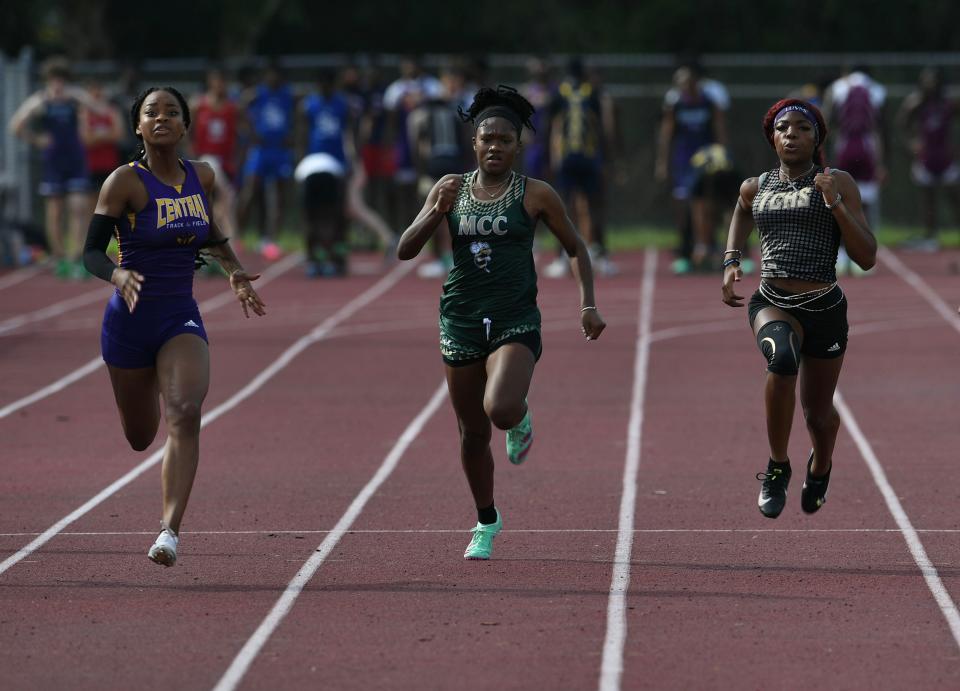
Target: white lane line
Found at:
x=272, y=272
x=611, y=666
x=563, y=531
x=319, y=333
x=930, y=575
x=20, y=275
x=54, y=310
x=905, y=273
x=241, y=663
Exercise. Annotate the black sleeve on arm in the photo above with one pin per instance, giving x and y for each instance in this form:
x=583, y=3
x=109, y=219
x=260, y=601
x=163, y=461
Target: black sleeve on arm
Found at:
x=95, y=258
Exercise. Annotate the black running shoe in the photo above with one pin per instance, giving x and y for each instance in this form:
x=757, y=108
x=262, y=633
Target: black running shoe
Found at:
x=773, y=493
x=814, y=492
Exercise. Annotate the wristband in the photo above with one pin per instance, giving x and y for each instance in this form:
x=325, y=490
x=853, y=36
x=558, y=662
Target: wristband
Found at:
x=836, y=202
x=731, y=262
x=588, y=307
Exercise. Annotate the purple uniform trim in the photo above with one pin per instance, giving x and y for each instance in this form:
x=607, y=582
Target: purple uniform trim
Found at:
x=160, y=241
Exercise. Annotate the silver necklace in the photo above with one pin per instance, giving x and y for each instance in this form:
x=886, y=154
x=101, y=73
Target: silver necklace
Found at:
x=486, y=188
x=790, y=180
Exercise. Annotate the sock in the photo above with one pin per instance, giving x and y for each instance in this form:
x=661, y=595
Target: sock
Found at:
x=488, y=515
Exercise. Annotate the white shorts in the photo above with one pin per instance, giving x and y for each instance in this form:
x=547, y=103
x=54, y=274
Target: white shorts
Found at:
x=924, y=178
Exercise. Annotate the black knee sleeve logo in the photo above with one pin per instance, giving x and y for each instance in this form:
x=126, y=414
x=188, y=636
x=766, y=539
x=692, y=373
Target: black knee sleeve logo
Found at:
x=779, y=346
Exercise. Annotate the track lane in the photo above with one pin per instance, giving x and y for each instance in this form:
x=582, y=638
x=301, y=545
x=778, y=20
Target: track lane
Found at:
x=421, y=606
x=845, y=596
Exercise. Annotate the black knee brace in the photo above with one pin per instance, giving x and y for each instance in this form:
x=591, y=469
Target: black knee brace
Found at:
x=778, y=343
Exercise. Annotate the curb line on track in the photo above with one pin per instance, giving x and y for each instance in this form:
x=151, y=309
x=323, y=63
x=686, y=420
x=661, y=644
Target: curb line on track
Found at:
x=913, y=279
x=241, y=663
x=56, y=309
x=317, y=334
x=209, y=305
x=611, y=666
x=919, y=554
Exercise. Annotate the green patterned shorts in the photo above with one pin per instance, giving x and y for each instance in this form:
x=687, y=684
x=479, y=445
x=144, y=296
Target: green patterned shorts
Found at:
x=464, y=343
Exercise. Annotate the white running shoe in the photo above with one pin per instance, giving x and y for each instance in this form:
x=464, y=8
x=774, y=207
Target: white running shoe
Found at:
x=164, y=550
x=558, y=268
x=604, y=267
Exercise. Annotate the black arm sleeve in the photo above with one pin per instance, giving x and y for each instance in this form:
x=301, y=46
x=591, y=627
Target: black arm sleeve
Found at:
x=95, y=258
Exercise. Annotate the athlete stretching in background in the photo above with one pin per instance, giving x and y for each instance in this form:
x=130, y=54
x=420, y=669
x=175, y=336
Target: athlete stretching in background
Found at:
x=489, y=320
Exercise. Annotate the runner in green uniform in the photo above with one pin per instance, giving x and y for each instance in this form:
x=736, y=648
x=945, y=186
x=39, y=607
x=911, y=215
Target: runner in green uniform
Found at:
x=489, y=321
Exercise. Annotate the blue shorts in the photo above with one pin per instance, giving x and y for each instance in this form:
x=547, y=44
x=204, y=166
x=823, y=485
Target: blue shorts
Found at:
x=64, y=173
x=132, y=341
x=269, y=163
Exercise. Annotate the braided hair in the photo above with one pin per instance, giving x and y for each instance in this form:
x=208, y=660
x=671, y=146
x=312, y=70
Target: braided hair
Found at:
x=768, y=124
x=138, y=104
x=505, y=102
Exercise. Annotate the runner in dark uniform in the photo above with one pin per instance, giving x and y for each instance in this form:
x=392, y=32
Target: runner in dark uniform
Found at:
x=153, y=340
x=489, y=320
x=802, y=210
x=50, y=120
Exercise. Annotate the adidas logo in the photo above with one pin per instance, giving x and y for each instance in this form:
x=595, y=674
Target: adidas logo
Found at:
x=191, y=323
x=834, y=348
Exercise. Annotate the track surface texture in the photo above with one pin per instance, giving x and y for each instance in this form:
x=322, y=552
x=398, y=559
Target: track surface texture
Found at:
x=347, y=445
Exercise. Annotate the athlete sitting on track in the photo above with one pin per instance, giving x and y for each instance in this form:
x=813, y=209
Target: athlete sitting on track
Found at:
x=799, y=314
x=153, y=339
x=489, y=321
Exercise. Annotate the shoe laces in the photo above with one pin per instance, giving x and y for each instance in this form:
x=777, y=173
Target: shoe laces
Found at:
x=772, y=477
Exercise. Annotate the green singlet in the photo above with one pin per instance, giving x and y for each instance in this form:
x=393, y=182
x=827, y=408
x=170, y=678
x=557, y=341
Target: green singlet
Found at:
x=490, y=295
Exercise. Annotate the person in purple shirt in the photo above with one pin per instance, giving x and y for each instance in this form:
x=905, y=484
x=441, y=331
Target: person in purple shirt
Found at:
x=926, y=120
x=691, y=119
x=153, y=340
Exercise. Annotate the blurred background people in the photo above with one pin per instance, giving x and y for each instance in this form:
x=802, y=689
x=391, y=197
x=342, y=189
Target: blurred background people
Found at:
x=925, y=121
x=576, y=152
x=690, y=121
x=50, y=121
x=213, y=138
x=269, y=108
x=853, y=107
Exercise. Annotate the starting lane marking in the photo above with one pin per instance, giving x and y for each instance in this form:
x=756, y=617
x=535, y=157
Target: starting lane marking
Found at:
x=304, y=342
x=241, y=663
x=929, y=571
x=611, y=665
x=269, y=274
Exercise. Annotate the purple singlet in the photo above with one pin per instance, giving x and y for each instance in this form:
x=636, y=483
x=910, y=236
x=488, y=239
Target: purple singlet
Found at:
x=161, y=240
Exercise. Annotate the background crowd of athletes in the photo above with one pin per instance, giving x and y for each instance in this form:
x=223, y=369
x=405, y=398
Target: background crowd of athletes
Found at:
x=360, y=148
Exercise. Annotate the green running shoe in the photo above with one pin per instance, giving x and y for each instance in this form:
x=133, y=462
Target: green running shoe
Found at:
x=520, y=439
x=481, y=546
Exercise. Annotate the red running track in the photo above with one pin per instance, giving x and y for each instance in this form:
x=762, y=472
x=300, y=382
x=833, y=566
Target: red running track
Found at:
x=718, y=597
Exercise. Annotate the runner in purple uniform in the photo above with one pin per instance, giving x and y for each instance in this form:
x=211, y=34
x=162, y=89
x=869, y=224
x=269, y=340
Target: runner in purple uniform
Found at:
x=153, y=340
